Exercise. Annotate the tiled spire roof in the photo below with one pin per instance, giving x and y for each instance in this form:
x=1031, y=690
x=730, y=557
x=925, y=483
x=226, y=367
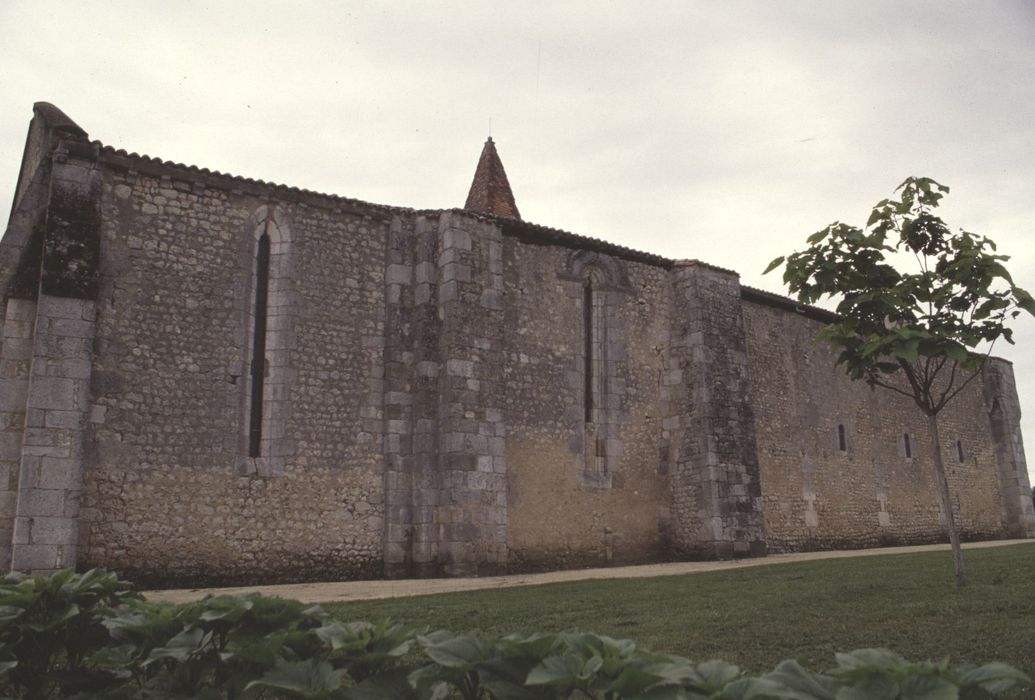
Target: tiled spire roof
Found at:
x=490, y=192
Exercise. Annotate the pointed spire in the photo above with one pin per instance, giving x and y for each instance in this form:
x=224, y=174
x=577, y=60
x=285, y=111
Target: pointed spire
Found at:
x=490, y=192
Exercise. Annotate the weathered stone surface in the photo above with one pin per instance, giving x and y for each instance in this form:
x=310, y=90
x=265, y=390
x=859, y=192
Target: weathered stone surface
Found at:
x=442, y=393
x=818, y=496
x=716, y=492
x=1004, y=412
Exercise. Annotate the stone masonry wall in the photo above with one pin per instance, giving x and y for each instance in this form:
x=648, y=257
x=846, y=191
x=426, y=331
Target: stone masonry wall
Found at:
x=442, y=393
x=582, y=493
x=60, y=275
x=166, y=497
x=716, y=495
x=446, y=468
x=46, y=522
x=818, y=496
x=15, y=366
x=1004, y=412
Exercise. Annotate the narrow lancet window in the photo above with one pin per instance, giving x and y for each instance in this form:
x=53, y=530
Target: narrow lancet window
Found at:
x=842, y=438
x=258, y=363
x=597, y=387
x=587, y=325
x=908, y=446
x=959, y=451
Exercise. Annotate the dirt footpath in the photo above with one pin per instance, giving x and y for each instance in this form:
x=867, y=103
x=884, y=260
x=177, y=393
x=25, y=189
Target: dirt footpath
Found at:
x=368, y=590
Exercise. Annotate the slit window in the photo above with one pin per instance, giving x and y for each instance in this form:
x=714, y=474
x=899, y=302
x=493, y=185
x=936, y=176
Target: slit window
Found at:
x=258, y=363
x=959, y=451
x=907, y=445
x=842, y=438
x=587, y=325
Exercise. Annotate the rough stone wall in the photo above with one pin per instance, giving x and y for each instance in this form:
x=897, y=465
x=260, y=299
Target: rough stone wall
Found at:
x=716, y=495
x=15, y=366
x=166, y=497
x=1004, y=412
x=817, y=496
x=442, y=393
x=46, y=522
x=446, y=473
x=473, y=505
x=58, y=271
x=411, y=366
x=582, y=492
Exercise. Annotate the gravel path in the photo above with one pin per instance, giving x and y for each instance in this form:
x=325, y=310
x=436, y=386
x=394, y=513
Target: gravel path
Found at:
x=368, y=590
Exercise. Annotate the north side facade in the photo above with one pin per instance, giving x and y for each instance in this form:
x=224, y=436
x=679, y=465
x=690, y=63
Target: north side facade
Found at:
x=210, y=379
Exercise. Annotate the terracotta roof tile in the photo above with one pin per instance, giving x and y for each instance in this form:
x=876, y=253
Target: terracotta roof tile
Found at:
x=490, y=191
x=512, y=225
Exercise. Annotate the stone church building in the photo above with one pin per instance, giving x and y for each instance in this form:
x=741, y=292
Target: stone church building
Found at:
x=211, y=379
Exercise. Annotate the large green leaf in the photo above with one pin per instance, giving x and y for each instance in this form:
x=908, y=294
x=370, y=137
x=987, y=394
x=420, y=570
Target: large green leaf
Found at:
x=186, y=645
x=869, y=659
x=873, y=686
x=993, y=673
x=389, y=684
x=716, y=674
x=760, y=689
x=817, y=236
x=925, y=687
x=773, y=265
x=303, y=679
x=556, y=670
x=790, y=674
x=462, y=652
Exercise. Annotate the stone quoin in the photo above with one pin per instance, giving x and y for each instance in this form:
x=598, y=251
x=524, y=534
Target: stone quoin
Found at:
x=208, y=379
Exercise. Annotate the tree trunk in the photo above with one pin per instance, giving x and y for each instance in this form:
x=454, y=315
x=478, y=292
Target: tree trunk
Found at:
x=943, y=490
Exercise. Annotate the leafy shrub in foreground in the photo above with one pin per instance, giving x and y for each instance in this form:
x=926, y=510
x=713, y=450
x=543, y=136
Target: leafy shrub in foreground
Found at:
x=88, y=635
x=50, y=628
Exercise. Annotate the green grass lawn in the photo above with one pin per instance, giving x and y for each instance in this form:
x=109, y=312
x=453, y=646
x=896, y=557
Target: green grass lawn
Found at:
x=757, y=616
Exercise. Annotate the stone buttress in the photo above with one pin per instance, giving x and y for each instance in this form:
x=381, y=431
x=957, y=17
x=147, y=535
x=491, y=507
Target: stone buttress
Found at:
x=716, y=507
x=47, y=350
x=445, y=483
x=1004, y=413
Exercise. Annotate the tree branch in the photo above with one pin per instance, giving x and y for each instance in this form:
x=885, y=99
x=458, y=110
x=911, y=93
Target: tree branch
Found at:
x=946, y=399
x=953, y=395
x=891, y=388
x=918, y=395
x=938, y=371
x=952, y=382
x=927, y=376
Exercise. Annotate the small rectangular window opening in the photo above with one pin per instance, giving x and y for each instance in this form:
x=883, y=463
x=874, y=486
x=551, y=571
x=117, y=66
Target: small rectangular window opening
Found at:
x=842, y=438
x=907, y=444
x=959, y=450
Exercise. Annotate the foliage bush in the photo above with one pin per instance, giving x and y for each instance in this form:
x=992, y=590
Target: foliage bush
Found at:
x=90, y=636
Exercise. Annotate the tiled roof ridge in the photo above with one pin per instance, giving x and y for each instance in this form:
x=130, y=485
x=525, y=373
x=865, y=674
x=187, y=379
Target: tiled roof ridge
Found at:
x=527, y=229
x=518, y=227
x=787, y=303
x=701, y=263
x=238, y=180
x=760, y=296
x=547, y=232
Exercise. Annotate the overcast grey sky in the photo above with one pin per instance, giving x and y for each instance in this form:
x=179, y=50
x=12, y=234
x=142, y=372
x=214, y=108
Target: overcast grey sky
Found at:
x=724, y=131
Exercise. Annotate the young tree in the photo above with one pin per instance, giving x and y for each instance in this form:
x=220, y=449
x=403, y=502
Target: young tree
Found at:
x=913, y=333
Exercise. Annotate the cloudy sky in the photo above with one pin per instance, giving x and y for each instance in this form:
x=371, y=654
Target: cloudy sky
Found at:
x=721, y=131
